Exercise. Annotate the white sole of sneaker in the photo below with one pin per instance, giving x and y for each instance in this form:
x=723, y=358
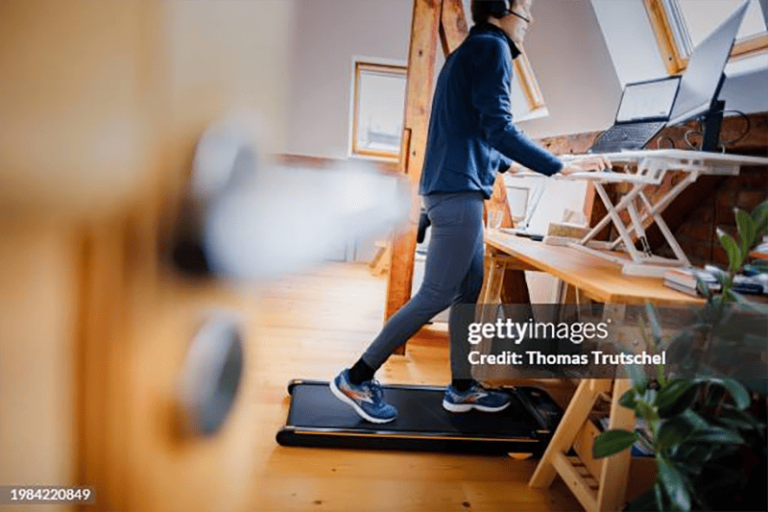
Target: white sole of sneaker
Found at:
x=344, y=398
x=468, y=407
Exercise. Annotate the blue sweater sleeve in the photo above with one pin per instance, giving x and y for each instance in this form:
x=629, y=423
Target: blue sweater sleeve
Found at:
x=491, y=86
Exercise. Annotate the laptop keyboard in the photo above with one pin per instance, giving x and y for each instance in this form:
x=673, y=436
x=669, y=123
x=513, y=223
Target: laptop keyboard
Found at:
x=626, y=136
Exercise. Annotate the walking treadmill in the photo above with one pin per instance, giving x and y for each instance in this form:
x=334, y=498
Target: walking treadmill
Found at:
x=317, y=418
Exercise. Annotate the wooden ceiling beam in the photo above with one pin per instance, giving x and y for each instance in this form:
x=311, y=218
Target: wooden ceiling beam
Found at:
x=453, y=25
x=425, y=26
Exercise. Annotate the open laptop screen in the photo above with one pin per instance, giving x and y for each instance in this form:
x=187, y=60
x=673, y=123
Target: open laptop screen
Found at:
x=648, y=100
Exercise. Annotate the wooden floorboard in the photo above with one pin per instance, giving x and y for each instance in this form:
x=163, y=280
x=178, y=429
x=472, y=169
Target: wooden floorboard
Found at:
x=310, y=326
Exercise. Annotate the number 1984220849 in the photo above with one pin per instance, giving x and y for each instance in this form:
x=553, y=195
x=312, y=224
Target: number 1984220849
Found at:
x=38, y=494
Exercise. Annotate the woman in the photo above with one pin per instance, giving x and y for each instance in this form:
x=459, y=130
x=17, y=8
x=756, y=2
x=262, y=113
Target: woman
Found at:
x=471, y=138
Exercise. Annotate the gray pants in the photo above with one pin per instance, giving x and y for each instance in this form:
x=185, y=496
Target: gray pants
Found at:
x=453, y=276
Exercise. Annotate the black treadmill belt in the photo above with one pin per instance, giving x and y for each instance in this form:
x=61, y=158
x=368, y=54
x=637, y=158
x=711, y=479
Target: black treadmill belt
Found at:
x=317, y=418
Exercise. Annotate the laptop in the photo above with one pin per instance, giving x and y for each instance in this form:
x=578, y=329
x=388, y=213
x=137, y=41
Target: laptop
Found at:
x=544, y=203
x=524, y=202
x=644, y=110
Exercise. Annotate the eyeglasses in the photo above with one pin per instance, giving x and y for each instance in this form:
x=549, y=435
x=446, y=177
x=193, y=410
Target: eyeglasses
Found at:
x=520, y=16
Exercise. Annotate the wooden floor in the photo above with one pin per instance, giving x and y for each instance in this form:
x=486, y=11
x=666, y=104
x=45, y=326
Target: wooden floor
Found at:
x=312, y=325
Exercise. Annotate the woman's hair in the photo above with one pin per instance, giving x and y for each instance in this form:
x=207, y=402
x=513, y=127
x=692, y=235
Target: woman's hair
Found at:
x=484, y=9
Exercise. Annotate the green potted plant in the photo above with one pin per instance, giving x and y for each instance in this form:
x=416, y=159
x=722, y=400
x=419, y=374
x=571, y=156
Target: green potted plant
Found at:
x=700, y=428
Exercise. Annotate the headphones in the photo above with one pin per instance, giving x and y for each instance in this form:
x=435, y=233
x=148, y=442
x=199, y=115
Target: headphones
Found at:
x=500, y=8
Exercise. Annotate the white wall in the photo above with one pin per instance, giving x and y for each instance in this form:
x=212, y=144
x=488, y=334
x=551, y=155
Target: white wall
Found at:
x=565, y=47
x=573, y=67
x=329, y=35
x=747, y=92
x=227, y=55
x=631, y=44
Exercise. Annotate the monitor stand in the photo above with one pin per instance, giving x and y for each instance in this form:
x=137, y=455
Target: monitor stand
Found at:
x=713, y=121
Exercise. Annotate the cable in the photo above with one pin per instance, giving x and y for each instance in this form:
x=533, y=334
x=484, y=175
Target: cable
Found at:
x=700, y=132
x=740, y=137
x=671, y=141
x=692, y=145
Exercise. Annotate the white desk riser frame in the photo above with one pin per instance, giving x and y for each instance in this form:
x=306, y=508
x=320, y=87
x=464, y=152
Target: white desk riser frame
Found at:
x=651, y=167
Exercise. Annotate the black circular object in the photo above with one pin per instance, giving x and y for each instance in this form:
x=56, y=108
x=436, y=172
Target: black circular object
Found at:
x=211, y=376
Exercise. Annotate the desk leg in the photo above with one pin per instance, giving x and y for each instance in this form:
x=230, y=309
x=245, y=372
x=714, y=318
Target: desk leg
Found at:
x=575, y=415
x=490, y=299
x=614, y=472
x=613, y=479
x=491, y=292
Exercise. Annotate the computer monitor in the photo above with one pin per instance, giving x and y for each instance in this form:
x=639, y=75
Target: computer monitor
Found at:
x=704, y=76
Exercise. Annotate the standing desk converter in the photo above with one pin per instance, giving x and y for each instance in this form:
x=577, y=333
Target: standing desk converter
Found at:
x=648, y=168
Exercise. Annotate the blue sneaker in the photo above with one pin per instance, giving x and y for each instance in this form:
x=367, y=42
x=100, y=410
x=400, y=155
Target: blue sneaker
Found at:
x=476, y=397
x=367, y=399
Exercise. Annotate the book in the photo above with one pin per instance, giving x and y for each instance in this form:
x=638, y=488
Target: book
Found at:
x=688, y=277
x=690, y=289
x=681, y=288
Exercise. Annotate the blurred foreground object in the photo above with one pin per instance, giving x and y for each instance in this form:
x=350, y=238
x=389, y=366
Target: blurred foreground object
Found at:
x=246, y=218
x=211, y=376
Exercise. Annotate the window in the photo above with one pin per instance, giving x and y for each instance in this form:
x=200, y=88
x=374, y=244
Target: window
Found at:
x=379, y=105
x=524, y=81
x=378, y=109
x=679, y=25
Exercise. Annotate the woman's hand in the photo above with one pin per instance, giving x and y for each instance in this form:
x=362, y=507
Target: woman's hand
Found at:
x=595, y=163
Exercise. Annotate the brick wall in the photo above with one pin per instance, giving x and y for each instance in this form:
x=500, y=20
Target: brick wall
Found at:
x=697, y=233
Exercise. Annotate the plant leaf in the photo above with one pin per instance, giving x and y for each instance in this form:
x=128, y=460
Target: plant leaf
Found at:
x=720, y=275
x=649, y=397
x=611, y=442
x=653, y=319
x=647, y=412
x=716, y=435
x=703, y=288
x=735, y=257
x=746, y=230
x=636, y=375
x=682, y=344
x=735, y=388
x=732, y=417
x=675, y=397
x=694, y=419
x=628, y=399
x=760, y=217
x=659, y=492
x=757, y=307
x=674, y=484
x=695, y=454
x=672, y=433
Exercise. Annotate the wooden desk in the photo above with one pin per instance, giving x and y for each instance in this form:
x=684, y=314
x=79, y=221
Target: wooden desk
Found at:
x=596, y=278
x=599, y=485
